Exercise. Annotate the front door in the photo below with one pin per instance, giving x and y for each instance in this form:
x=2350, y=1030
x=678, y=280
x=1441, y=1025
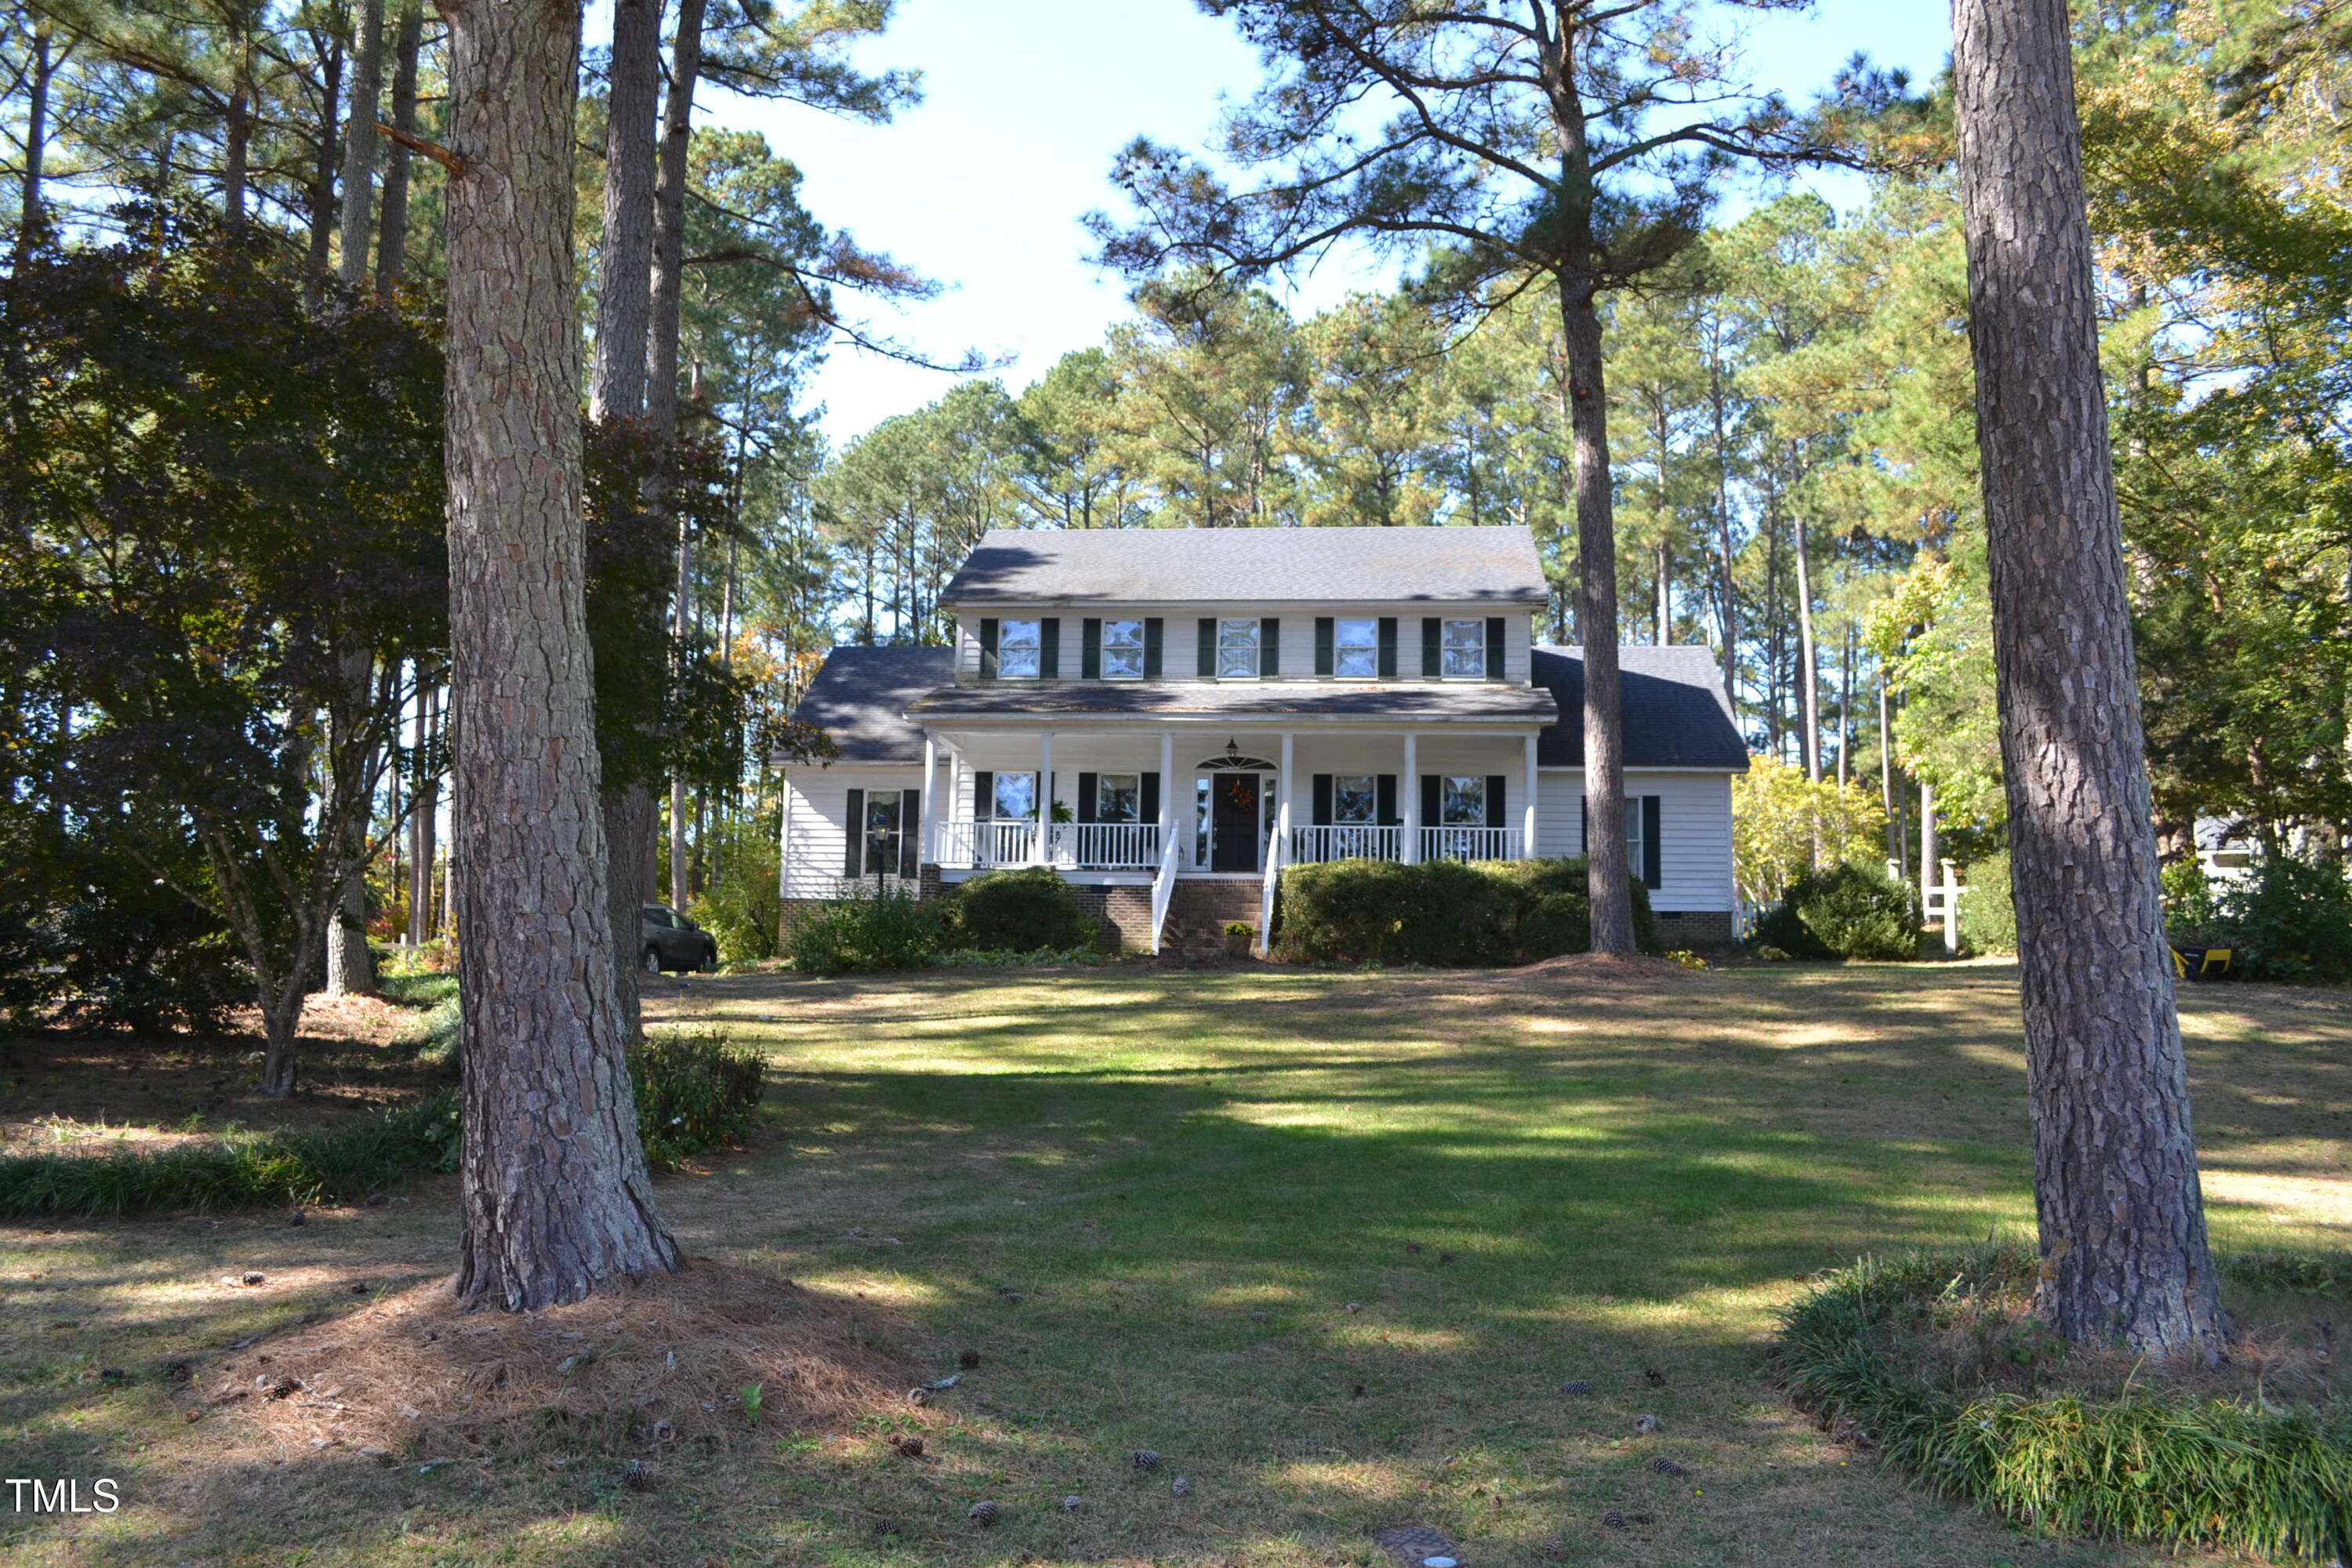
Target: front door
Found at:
x=1234, y=827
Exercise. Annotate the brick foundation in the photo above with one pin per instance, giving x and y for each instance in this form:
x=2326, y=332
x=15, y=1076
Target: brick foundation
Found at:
x=1693, y=928
x=1124, y=909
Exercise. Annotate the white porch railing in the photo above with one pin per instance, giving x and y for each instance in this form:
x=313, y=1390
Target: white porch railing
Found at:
x=1265, y=900
x=1104, y=846
x=1163, y=888
x=1470, y=843
x=1351, y=841
x=978, y=844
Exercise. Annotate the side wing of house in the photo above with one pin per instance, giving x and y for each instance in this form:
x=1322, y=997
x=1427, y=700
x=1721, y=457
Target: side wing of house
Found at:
x=858, y=816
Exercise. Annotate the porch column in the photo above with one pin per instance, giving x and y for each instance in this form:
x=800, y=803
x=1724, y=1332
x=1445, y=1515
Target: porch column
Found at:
x=1167, y=790
x=1280, y=850
x=1411, y=789
x=1042, y=853
x=1527, y=840
x=930, y=850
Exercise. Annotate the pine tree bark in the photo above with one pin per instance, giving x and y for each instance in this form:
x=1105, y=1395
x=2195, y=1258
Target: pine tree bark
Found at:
x=554, y=1192
x=392, y=240
x=1809, y=685
x=1609, y=890
x=359, y=146
x=38, y=69
x=2124, y=1253
x=323, y=173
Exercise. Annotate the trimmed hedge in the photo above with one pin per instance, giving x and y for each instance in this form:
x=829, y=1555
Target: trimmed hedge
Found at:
x=1021, y=910
x=1988, y=912
x=1442, y=914
x=1847, y=911
x=693, y=1092
x=2177, y=1470
x=867, y=930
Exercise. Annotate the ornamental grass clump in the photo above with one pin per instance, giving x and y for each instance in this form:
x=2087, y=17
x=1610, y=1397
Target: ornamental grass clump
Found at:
x=1936, y=1362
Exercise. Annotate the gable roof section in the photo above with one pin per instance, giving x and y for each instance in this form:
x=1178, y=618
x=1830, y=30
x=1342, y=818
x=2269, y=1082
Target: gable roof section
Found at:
x=1250, y=565
x=1675, y=713
x=860, y=696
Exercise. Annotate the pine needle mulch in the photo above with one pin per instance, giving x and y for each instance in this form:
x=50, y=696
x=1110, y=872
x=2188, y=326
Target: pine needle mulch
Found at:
x=640, y=1368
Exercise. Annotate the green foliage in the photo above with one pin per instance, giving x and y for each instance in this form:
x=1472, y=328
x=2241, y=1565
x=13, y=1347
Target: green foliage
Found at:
x=1848, y=911
x=743, y=906
x=1443, y=913
x=1988, y=911
x=866, y=930
x=2177, y=1470
x=1020, y=911
x=293, y=1167
x=1781, y=820
x=2291, y=919
x=994, y=958
x=694, y=1094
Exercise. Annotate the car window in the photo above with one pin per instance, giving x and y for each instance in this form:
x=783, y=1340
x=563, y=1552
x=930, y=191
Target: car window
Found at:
x=657, y=916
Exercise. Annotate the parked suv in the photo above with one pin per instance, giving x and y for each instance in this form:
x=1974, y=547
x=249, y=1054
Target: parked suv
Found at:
x=672, y=941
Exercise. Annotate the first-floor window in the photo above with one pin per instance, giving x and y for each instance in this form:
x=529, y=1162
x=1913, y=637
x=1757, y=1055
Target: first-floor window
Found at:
x=882, y=828
x=1634, y=836
x=1118, y=797
x=1464, y=651
x=1122, y=650
x=1356, y=651
x=1238, y=650
x=1463, y=802
x=1355, y=799
x=1019, y=650
x=1016, y=797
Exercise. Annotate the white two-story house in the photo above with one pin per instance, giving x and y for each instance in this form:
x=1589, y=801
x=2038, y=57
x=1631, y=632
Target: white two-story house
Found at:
x=1169, y=717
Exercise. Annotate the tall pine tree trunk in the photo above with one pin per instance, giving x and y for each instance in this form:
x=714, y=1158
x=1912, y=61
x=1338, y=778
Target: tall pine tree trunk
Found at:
x=392, y=241
x=359, y=145
x=2114, y=1161
x=554, y=1193
x=38, y=69
x=322, y=173
x=1610, y=892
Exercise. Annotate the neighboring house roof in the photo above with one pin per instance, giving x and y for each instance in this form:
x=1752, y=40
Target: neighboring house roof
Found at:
x=1242, y=700
x=1251, y=565
x=1674, y=711
x=860, y=697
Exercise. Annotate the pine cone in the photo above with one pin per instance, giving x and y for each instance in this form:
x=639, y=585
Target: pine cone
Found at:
x=1614, y=1520
x=1181, y=1486
x=909, y=1447
x=1576, y=1386
x=981, y=1514
x=1666, y=1467
x=1657, y=1378
x=1645, y=1424
x=1145, y=1459
x=967, y=1359
x=1074, y=1504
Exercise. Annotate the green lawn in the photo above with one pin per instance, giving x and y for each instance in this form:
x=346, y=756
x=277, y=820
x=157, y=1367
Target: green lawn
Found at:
x=1191, y=1177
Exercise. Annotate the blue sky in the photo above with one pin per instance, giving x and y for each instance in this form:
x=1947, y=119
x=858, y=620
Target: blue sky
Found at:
x=1026, y=102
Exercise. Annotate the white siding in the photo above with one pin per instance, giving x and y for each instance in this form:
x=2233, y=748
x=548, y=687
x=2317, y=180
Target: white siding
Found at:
x=817, y=814
x=1693, y=833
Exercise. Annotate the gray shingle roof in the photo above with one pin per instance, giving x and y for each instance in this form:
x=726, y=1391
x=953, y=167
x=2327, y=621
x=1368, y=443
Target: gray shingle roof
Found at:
x=1251, y=565
x=1273, y=699
x=1675, y=712
x=860, y=699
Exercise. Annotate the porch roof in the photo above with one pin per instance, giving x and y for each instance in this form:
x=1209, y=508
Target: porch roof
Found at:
x=1281, y=699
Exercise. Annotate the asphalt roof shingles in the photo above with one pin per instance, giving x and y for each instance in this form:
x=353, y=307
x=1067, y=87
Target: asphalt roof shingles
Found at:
x=1673, y=710
x=861, y=695
x=1251, y=567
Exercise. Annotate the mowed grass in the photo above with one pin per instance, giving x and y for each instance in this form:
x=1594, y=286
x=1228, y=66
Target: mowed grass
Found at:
x=1188, y=1180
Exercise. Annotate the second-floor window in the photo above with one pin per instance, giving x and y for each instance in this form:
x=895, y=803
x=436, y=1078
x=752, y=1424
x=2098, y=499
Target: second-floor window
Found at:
x=1019, y=650
x=1356, y=651
x=1122, y=650
x=1238, y=650
x=1464, y=650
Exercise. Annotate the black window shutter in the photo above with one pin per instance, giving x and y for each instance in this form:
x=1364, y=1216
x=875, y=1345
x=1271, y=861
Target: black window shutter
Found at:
x=911, y=832
x=1208, y=647
x=983, y=795
x=1049, y=648
x=1385, y=807
x=1388, y=648
x=1433, y=648
x=1090, y=648
x=1149, y=805
x=1086, y=797
x=1651, y=862
x=853, y=862
x=1153, y=630
x=1493, y=647
x=1322, y=800
x=1497, y=813
x=1326, y=634
x=1432, y=805
x=988, y=648
x=1269, y=648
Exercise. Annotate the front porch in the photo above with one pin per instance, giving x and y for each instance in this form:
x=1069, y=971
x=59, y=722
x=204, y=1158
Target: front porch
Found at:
x=969, y=846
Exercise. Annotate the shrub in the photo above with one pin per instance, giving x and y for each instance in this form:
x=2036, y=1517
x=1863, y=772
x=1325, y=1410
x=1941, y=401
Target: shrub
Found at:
x=2273, y=1480
x=1848, y=911
x=1021, y=911
x=868, y=929
x=1987, y=915
x=1447, y=913
x=743, y=906
x=2291, y=919
x=694, y=1094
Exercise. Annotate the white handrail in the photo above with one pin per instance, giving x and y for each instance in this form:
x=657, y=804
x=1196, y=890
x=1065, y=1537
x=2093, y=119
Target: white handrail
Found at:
x=1163, y=887
x=1347, y=841
x=1104, y=846
x=981, y=845
x=1470, y=843
x=1265, y=900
